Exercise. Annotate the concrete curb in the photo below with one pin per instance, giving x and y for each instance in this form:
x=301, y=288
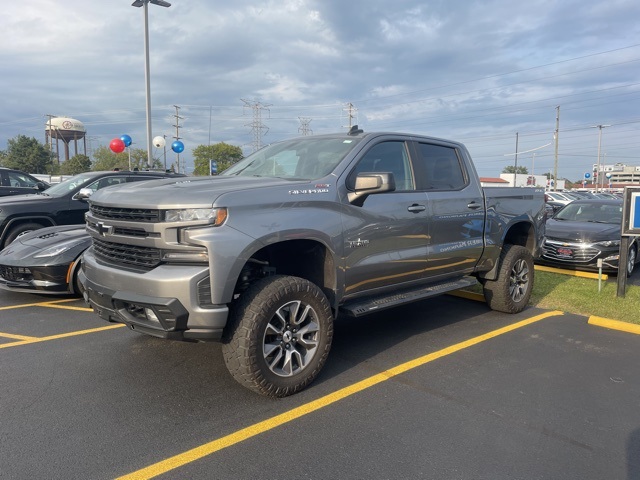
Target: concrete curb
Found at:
x=614, y=324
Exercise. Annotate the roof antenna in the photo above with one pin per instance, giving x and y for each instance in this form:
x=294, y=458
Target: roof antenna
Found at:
x=354, y=130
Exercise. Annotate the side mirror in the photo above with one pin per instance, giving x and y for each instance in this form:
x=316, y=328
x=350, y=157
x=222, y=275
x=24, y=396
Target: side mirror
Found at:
x=40, y=186
x=83, y=194
x=369, y=183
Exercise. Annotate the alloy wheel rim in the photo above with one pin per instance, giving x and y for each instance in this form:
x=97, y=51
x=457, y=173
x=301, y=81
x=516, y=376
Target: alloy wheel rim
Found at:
x=291, y=339
x=519, y=281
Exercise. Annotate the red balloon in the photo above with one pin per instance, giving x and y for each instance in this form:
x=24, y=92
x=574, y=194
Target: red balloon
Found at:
x=117, y=145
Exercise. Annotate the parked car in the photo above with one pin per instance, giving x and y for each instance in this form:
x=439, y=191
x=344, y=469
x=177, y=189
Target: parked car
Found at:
x=61, y=204
x=15, y=182
x=45, y=260
x=559, y=197
x=583, y=232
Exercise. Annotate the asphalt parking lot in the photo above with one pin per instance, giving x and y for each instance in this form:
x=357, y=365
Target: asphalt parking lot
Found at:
x=439, y=389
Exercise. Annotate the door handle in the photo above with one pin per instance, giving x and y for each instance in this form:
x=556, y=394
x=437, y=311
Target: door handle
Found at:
x=415, y=208
x=474, y=205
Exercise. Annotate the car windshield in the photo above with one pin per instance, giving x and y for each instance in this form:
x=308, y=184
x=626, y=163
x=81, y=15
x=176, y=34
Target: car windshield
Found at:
x=591, y=212
x=63, y=188
x=298, y=159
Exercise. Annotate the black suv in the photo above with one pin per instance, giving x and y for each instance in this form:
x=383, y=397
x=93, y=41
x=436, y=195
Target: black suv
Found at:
x=61, y=204
x=15, y=182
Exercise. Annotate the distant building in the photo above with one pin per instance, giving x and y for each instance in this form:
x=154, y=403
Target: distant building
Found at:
x=526, y=180
x=617, y=173
x=493, y=182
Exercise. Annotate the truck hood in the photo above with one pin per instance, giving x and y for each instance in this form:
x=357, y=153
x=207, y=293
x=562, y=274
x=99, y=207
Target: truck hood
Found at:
x=186, y=192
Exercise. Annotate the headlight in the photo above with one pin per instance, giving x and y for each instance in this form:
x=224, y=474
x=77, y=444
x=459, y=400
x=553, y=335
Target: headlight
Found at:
x=608, y=243
x=56, y=249
x=214, y=216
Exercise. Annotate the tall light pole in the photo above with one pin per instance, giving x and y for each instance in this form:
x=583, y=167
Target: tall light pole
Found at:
x=145, y=4
x=599, y=127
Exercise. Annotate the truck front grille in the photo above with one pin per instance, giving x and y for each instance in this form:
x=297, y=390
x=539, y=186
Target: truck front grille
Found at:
x=133, y=214
x=128, y=256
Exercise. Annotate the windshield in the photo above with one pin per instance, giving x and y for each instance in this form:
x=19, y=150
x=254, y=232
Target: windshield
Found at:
x=63, y=188
x=299, y=159
x=591, y=212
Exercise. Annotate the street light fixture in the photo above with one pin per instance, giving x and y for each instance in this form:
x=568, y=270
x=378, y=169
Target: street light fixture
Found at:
x=145, y=4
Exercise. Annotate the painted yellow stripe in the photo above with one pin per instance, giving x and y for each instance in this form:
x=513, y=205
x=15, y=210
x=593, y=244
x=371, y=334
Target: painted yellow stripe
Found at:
x=63, y=307
x=59, y=336
x=614, y=324
x=575, y=273
x=478, y=297
x=197, y=453
x=38, y=304
x=15, y=337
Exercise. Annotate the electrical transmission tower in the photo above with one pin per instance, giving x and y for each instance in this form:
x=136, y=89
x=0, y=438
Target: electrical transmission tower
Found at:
x=177, y=135
x=304, y=126
x=258, y=129
x=351, y=110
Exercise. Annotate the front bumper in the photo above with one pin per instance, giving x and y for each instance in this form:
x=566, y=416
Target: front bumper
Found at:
x=579, y=256
x=162, y=302
x=41, y=279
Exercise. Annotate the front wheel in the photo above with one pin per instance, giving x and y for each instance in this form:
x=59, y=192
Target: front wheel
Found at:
x=510, y=292
x=278, y=336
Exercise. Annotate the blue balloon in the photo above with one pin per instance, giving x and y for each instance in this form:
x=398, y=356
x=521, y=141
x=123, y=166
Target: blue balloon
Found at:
x=177, y=146
x=126, y=139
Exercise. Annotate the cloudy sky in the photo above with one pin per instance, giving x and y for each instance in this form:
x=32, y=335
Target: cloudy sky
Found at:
x=479, y=72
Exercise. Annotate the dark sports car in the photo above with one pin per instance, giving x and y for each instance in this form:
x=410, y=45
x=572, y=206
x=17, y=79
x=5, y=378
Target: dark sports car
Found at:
x=45, y=260
x=583, y=232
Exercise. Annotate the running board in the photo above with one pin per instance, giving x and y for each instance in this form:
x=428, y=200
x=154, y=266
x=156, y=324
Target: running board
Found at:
x=364, y=306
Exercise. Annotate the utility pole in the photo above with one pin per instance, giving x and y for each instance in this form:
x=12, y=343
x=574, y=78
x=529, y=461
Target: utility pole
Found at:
x=257, y=127
x=515, y=167
x=177, y=135
x=351, y=113
x=304, y=126
x=555, y=162
x=598, y=172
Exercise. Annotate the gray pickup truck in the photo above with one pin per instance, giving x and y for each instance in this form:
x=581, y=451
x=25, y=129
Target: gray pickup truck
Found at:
x=265, y=256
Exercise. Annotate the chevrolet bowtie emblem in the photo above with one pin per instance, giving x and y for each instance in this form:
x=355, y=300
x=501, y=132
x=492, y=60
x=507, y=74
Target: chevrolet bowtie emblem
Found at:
x=104, y=229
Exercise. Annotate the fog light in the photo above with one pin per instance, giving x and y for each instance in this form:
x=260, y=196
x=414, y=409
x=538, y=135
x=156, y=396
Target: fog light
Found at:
x=151, y=315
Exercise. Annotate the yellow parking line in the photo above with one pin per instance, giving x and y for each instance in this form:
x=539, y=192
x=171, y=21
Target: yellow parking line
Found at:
x=15, y=337
x=575, y=273
x=31, y=340
x=38, y=304
x=197, y=453
x=614, y=324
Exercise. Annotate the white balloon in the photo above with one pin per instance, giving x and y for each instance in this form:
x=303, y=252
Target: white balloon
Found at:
x=159, y=142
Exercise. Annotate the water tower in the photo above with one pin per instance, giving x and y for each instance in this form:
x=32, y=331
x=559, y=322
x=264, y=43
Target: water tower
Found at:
x=67, y=130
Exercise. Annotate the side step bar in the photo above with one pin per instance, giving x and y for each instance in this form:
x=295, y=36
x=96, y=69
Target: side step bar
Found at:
x=364, y=306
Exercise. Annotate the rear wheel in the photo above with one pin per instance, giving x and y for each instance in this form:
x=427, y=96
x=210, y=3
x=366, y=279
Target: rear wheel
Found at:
x=278, y=336
x=510, y=292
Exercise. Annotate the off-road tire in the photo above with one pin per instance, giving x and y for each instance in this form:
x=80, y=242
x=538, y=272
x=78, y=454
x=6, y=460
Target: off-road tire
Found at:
x=261, y=335
x=510, y=292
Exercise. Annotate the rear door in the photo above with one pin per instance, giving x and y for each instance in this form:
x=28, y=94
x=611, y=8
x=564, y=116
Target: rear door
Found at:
x=386, y=238
x=456, y=209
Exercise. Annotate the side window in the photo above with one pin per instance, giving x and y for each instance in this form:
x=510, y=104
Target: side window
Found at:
x=140, y=178
x=441, y=167
x=386, y=157
x=105, y=182
x=18, y=180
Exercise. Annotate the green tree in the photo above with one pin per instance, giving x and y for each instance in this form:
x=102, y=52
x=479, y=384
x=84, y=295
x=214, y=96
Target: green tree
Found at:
x=27, y=154
x=105, y=159
x=76, y=164
x=513, y=169
x=223, y=153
